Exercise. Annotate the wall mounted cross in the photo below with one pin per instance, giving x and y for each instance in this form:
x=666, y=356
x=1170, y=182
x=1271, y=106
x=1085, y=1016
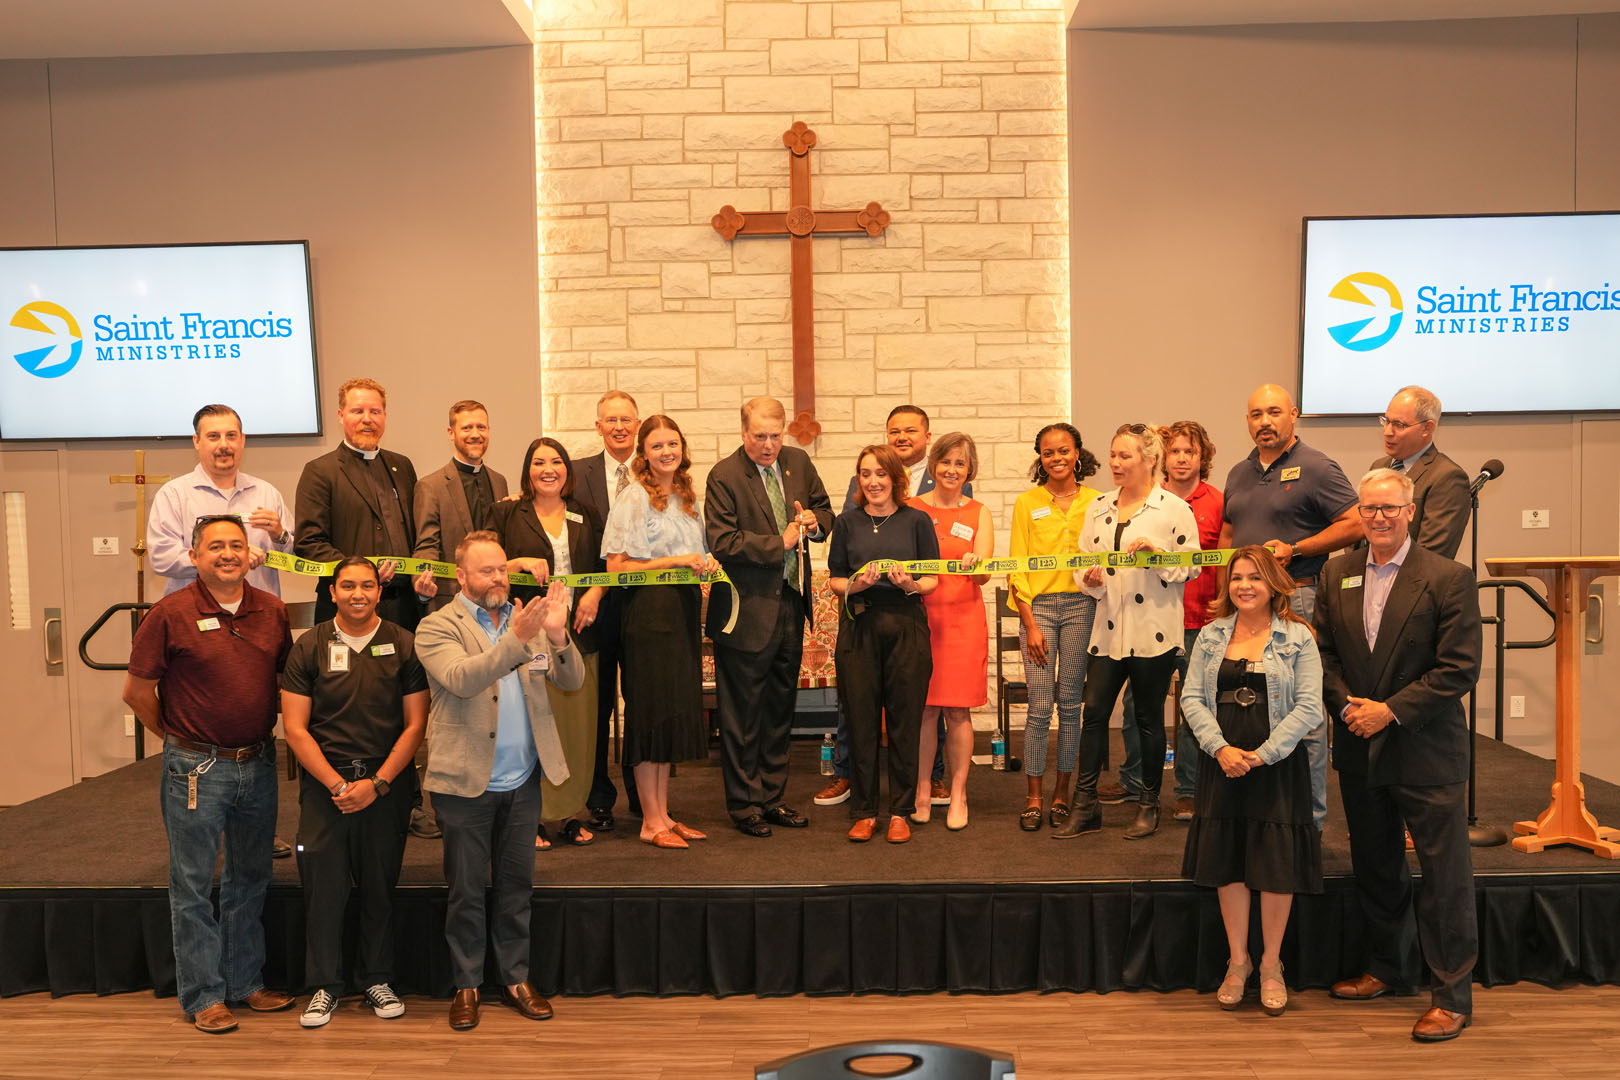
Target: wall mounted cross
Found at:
x=800, y=223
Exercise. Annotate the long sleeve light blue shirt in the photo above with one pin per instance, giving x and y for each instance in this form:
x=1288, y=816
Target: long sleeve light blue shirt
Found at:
x=179, y=503
x=515, y=755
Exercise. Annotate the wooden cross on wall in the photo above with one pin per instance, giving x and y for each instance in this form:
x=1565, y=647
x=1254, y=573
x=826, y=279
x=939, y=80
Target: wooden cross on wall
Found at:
x=799, y=223
x=142, y=480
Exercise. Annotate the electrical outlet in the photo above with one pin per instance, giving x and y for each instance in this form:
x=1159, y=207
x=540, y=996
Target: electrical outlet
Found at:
x=1535, y=519
x=1516, y=707
x=129, y=725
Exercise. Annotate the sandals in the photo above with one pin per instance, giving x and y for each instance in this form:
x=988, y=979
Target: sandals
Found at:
x=574, y=834
x=1273, y=991
x=1230, y=994
x=1029, y=819
x=542, y=839
x=1058, y=815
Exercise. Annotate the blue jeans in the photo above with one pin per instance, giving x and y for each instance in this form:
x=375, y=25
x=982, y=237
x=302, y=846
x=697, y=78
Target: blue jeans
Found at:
x=1303, y=601
x=218, y=959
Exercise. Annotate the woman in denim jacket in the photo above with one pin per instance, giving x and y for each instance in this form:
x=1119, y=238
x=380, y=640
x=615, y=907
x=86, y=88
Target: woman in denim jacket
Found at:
x=1253, y=690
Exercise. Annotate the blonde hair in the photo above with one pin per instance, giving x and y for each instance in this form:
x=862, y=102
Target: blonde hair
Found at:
x=1148, y=442
x=362, y=384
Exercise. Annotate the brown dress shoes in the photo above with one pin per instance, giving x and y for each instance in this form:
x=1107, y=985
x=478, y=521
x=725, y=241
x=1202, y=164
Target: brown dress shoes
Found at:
x=268, y=1001
x=862, y=830
x=1438, y=1025
x=527, y=1001
x=215, y=1020
x=899, y=831
x=1361, y=988
x=464, y=1010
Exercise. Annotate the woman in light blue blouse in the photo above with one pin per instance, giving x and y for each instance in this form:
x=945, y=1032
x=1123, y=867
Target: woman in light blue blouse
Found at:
x=655, y=526
x=1254, y=689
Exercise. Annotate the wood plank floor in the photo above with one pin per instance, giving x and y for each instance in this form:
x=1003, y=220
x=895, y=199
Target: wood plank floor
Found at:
x=1522, y=1031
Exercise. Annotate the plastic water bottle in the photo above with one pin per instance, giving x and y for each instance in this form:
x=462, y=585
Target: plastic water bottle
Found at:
x=827, y=746
x=1169, y=758
x=998, y=752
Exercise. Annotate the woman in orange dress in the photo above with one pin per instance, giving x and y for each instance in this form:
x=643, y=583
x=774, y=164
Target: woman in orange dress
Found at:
x=956, y=623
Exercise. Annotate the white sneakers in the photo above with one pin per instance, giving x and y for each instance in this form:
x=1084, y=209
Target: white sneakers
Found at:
x=319, y=1011
x=381, y=997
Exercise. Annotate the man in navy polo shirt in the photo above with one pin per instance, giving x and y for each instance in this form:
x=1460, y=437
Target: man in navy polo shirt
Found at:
x=1297, y=502
x=202, y=676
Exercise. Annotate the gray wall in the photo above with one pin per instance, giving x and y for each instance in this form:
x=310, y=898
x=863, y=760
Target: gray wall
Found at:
x=1194, y=154
x=412, y=176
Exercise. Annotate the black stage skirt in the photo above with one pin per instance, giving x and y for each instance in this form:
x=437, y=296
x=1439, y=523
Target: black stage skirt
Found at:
x=662, y=674
x=1258, y=828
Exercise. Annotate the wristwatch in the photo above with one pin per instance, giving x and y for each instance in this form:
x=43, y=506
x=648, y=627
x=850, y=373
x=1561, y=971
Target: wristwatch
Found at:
x=381, y=785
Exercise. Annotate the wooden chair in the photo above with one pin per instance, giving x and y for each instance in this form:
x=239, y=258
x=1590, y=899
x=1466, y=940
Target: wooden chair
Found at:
x=1009, y=692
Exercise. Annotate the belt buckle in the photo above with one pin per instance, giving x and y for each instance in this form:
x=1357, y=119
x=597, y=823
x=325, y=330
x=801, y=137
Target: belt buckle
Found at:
x=1245, y=696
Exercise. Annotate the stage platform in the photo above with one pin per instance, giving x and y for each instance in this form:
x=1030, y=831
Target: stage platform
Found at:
x=83, y=905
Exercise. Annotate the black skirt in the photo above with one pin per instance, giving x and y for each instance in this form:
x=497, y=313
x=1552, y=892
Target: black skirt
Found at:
x=1258, y=828
x=661, y=671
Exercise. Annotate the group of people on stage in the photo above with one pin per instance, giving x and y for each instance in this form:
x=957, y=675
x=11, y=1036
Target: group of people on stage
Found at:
x=512, y=687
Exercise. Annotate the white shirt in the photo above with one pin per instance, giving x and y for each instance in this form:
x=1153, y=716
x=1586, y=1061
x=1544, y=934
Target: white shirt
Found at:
x=562, y=562
x=359, y=643
x=1138, y=608
x=914, y=475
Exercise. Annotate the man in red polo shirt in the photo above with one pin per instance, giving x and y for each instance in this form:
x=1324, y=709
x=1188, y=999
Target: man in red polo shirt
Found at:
x=202, y=675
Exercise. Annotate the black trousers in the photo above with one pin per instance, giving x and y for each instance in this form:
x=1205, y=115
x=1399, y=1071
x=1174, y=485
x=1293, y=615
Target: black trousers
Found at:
x=337, y=850
x=1446, y=921
x=489, y=837
x=1149, y=677
x=884, y=660
x=757, y=692
x=608, y=651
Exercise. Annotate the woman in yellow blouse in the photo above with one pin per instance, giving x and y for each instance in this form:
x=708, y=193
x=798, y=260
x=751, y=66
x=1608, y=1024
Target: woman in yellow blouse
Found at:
x=1054, y=615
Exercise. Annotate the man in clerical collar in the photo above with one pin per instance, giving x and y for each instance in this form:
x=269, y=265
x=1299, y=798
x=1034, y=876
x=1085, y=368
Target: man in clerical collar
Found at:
x=217, y=486
x=1440, y=502
x=358, y=500
x=459, y=498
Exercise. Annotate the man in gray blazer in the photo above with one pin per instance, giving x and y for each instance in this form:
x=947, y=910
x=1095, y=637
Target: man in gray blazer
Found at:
x=493, y=738
x=459, y=498
x=1440, y=501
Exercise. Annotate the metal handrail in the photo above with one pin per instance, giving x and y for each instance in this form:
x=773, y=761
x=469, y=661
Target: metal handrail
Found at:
x=1499, y=620
x=135, y=611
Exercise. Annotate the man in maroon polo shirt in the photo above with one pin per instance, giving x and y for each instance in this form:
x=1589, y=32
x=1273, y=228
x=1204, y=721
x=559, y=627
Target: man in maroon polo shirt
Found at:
x=203, y=675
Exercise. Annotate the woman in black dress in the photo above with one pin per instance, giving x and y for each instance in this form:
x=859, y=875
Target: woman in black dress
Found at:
x=884, y=654
x=546, y=532
x=1253, y=691
x=655, y=526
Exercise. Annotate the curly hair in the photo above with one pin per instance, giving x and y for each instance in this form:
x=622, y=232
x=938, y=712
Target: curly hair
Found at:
x=1194, y=433
x=1085, y=462
x=641, y=469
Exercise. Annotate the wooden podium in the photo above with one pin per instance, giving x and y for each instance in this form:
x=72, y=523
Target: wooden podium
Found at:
x=1566, y=819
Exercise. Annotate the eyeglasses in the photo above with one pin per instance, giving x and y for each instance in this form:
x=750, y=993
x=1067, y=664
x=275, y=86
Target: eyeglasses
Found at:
x=1388, y=512
x=1398, y=425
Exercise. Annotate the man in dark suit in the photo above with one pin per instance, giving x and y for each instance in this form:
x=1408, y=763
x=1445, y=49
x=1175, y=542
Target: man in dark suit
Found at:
x=758, y=506
x=1399, y=631
x=357, y=500
x=459, y=498
x=599, y=476
x=1440, y=501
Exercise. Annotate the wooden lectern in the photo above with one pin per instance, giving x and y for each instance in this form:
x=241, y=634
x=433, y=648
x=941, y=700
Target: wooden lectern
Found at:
x=1566, y=819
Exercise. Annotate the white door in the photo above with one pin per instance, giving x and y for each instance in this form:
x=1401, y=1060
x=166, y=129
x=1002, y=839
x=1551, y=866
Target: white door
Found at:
x=35, y=722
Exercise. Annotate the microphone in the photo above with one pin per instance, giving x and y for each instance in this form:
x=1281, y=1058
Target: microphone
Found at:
x=1487, y=472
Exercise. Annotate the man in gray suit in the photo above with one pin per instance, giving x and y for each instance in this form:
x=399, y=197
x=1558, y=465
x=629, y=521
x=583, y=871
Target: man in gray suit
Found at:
x=459, y=498
x=493, y=738
x=1440, y=499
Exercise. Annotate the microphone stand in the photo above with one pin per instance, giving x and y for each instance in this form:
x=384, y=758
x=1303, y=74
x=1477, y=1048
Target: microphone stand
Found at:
x=1478, y=835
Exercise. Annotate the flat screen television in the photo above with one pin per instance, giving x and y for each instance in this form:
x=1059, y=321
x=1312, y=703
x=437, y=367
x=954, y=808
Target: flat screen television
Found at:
x=128, y=342
x=1496, y=313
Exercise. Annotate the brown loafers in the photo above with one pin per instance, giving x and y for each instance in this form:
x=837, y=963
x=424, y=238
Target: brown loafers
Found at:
x=1438, y=1025
x=527, y=1001
x=862, y=830
x=464, y=1010
x=268, y=1001
x=899, y=831
x=214, y=1020
x=1361, y=988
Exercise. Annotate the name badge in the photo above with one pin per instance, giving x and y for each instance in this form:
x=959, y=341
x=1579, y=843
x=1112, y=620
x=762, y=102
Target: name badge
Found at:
x=569, y=515
x=208, y=624
x=337, y=656
x=541, y=662
x=962, y=531
x=1351, y=582
x=1290, y=474
x=1037, y=514
x=385, y=649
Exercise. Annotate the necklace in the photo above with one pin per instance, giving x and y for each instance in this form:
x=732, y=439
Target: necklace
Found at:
x=876, y=524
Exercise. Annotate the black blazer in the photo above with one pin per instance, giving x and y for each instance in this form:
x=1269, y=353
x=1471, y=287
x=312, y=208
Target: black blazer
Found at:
x=1427, y=658
x=742, y=535
x=522, y=537
x=337, y=510
x=1440, y=495
x=590, y=485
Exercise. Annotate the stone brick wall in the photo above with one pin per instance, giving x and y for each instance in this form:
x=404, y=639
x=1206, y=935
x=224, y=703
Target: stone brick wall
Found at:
x=652, y=114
